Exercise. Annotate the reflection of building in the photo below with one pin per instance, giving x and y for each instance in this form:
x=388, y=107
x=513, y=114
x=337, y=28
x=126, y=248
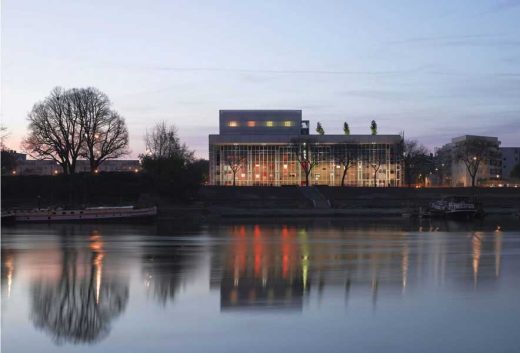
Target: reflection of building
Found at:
x=260, y=273
x=454, y=172
x=270, y=147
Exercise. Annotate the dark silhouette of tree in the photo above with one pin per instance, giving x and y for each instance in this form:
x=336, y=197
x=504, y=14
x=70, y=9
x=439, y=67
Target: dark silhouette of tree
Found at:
x=319, y=129
x=55, y=130
x=375, y=157
x=373, y=127
x=346, y=128
x=416, y=160
x=106, y=135
x=235, y=160
x=345, y=157
x=473, y=151
x=75, y=123
x=80, y=306
x=306, y=153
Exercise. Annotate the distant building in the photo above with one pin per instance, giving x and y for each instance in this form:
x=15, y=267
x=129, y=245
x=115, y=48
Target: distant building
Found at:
x=262, y=142
x=454, y=173
x=510, y=158
x=48, y=167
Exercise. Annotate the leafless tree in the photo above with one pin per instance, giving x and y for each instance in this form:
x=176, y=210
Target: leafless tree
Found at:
x=55, y=130
x=345, y=157
x=306, y=153
x=235, y=162
x=473, y=152
x=163, y=142
x=375, y=157
x=105, y=132
x=75, y=123
x=415, y=159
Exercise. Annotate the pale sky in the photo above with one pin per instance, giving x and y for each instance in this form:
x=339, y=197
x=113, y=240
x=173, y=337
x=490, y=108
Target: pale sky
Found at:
x=433, y=69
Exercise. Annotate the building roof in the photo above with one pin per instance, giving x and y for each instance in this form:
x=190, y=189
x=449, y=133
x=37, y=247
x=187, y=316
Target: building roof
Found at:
x=284, y=139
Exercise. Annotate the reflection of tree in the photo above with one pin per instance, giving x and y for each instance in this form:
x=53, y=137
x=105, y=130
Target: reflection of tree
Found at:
x=79, y=307
x=165, y=269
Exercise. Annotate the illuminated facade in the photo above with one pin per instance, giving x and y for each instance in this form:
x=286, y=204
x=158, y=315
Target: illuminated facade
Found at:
x=274, y=148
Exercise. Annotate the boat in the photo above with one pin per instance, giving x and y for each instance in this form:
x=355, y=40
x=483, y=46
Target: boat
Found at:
x=85, y=214
x=459, y=207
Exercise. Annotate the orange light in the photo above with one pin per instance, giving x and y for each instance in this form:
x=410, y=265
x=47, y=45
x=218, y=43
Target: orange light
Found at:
x=251, y=123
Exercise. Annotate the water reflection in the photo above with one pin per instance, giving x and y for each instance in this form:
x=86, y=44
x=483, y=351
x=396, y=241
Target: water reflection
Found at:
x=166, y=266
x=80, y=279
x=80, y=304
x=275, y=267
x=263, y=268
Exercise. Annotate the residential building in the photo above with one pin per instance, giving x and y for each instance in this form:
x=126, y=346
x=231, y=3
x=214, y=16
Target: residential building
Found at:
x=510, y=158
x=453, y=171
x=274, y=148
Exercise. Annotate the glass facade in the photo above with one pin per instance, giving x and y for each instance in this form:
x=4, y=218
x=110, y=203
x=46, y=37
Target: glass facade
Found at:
x=366, y=164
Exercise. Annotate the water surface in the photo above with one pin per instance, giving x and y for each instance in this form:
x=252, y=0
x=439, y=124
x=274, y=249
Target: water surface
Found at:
x=287, y=286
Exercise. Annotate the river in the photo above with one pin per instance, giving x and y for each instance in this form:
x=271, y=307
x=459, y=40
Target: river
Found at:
x=319, y=285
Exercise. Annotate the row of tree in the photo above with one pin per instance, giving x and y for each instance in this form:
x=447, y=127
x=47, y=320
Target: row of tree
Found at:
x=346, y=128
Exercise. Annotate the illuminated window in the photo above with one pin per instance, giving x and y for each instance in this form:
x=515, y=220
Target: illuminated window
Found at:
x=232, y=124
x=285, y=166
x=269, y=123
x=288, y=123
x=251, y=123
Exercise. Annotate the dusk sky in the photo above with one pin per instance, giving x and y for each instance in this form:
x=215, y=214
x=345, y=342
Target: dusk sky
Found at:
x=433, y=69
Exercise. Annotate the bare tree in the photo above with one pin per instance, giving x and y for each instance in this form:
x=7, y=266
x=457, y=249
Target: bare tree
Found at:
x=306, y=153
x=375, y=157
x=415, y=158
x=55, y=130
x=75, y=123
x=235, y=162
x=345, y=157
x=163, y=142
x=105, y=132
x=473, y=151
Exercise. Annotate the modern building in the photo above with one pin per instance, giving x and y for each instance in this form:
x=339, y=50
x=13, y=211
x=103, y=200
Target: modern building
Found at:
x=274, y=148
x=510, y=158
x=453, y=171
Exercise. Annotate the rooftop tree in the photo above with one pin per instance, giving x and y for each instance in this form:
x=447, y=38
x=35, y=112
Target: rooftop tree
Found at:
x=319, y=129
x=373, y=127
x=346, y=128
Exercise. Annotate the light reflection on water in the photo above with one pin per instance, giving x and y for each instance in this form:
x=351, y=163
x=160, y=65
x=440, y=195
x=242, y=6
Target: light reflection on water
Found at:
x=247, y=286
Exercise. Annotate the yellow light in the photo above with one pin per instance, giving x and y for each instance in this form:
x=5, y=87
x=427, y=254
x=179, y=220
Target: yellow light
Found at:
x=288, y=123
x=269, y=123
x=232, y=124
x=285, y=166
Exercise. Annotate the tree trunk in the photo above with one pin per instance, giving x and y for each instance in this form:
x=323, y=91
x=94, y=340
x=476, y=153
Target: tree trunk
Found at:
x=473, y=177
x=234, y=178
x=375, y=178
x=307, y=177
x=343, y=177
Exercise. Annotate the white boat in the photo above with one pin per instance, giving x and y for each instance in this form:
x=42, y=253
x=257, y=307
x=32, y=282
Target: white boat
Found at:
x=454, y=207
x=86, y=214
